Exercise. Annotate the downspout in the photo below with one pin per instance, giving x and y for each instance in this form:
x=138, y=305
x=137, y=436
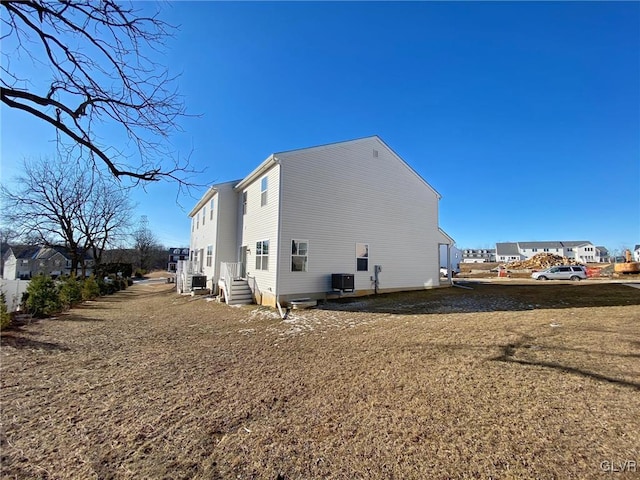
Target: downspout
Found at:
x=449, y=273
x=283, y=314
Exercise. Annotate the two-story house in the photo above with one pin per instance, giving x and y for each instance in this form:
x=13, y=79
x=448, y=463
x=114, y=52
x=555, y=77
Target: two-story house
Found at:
x=581, y=251
x=24, y=262
x=351, y=212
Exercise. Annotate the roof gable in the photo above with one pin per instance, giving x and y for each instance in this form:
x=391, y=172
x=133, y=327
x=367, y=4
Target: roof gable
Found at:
x=358, y=142
x=507, y=248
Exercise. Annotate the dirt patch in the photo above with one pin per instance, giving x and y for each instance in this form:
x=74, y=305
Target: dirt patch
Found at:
x=501, y=381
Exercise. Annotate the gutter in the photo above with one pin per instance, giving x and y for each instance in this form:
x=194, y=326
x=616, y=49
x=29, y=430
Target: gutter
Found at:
x=260, y=170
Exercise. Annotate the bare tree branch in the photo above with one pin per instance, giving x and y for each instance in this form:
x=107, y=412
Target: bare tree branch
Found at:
x=99, y=54
x=67, y=203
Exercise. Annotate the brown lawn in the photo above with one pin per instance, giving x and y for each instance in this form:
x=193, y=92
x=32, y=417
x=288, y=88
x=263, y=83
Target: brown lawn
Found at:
x=502, y=381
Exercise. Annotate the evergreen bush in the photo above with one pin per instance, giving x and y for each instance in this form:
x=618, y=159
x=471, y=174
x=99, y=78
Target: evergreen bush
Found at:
x=43, y=297
x=90, y=288
x=5, y=318
x=70, y=292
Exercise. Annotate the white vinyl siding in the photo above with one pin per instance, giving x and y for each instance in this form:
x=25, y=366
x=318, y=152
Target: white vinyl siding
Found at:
x=218, y=236
x=340, y=195
x=261, y=223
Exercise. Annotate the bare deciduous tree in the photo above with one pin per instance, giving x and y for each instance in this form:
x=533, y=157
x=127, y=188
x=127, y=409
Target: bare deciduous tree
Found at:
x=67, y=203
x=102, y=74
x=145, y=243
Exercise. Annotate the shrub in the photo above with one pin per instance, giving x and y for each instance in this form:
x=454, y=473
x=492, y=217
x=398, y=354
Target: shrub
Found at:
x=90, y=288
x=70, y=292
x=5, y=318
x=43, y=298
x=107, y=286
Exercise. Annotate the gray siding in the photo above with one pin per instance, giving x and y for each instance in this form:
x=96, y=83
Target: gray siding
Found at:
x=343, y=194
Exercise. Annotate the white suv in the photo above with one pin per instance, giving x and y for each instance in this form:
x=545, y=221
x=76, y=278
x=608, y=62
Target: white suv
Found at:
x=561, y=272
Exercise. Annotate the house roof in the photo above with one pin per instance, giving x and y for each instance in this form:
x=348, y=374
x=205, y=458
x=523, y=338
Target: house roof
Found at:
x=539, y=244
x=507, y=248
x=637, y=247
x=30, y=252
x=25, y=251
x=445, y=238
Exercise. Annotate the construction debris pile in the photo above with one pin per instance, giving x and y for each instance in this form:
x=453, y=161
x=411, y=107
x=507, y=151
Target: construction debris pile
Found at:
x=541, y=261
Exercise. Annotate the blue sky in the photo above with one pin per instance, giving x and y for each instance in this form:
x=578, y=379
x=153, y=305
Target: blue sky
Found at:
x=524, y=116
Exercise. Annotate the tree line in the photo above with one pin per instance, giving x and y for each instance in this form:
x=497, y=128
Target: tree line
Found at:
x=65, y=203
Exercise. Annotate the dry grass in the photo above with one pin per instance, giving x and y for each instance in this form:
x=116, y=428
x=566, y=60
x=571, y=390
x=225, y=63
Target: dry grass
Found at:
x=533, y=381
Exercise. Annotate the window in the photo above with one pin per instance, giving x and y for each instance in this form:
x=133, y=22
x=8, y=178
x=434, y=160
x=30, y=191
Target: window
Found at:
x=209, y=255
x=244, y=203
x=362, y=257
x=545, y=249
x=264, y=185
x=262, y=255
x=204, y=214
x=193, y=224
x=198, y=220
x=534, y=249
x=299, y=253
x=211, y=204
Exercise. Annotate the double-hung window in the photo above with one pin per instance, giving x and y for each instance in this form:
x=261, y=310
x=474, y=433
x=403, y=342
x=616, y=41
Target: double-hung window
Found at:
x=262, y=255
x=299, y=255
x=362, y=257
x=244, y=203
x=264, y=186
x=209, y=255
x=211, y=204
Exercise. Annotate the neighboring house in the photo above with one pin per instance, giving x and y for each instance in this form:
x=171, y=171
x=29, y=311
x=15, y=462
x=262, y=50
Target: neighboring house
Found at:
x=581, y=251
x=508, y=252
x=353, y=208
x=4, y=251
x=176, y=255
x=450, y=256
x=484, y=255
x=636, y=253
x=24, y=262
